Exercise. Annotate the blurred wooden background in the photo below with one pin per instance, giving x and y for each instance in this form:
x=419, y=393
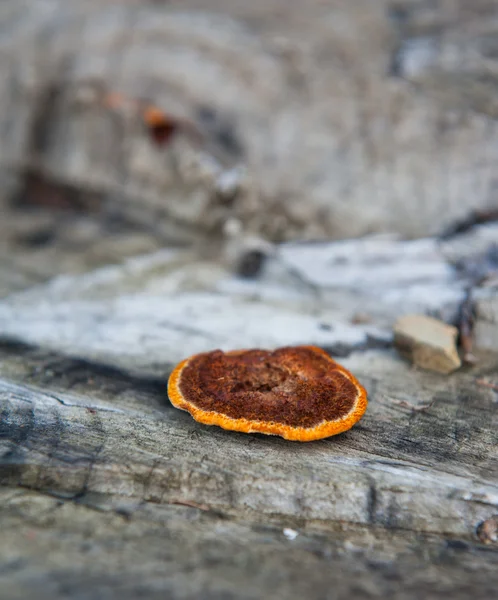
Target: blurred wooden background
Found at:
x=349, y=117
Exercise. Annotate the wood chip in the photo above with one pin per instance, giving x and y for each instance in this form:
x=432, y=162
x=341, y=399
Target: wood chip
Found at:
x=427, y=342
x=487, y=531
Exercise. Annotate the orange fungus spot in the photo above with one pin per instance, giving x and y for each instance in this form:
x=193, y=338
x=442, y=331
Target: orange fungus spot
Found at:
x=298, y=393
x=161, y=126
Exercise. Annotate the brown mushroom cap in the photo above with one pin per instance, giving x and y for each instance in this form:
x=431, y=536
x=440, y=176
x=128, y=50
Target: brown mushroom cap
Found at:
x=299, y=393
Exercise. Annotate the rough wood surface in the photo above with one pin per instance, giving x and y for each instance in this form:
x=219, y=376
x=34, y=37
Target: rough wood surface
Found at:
x=108, y=487
x=337, y=111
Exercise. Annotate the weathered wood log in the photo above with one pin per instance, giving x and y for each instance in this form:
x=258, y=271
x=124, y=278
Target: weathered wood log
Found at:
x=93, y=450
x=339, y=112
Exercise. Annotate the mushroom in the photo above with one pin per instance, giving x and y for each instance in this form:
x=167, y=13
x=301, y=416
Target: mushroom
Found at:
x=298, y=393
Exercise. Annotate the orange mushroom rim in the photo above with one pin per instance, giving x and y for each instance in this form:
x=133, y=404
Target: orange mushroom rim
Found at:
x=299, y=393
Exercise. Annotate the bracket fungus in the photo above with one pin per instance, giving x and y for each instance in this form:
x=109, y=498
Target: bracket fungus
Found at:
x=298, y=393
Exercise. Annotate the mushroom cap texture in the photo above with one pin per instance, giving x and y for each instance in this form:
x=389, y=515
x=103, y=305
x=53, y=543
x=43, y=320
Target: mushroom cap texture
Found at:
x=298, y=393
